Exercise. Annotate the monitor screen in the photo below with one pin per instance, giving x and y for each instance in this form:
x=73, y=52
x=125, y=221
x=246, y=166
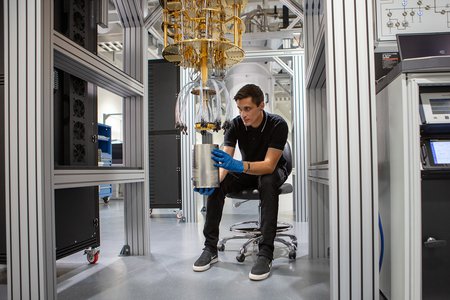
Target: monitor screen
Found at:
x=440, y=106
x=441, y=151
x=117, y=153
x=423, y=45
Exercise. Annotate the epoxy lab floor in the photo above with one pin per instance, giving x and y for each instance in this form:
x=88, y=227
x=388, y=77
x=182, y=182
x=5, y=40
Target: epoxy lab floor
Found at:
x=167, y=272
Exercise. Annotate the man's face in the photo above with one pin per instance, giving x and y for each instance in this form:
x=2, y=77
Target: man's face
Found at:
x=250, y=113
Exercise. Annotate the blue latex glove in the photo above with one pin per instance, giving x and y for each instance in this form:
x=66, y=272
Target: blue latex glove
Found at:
x=204, y=191
x=224, y=160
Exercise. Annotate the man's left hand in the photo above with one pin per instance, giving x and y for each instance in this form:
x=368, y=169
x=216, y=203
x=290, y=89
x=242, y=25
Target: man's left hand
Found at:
x=225, y=161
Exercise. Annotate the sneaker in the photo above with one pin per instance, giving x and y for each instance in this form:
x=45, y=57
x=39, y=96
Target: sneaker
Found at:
x=261, y=269
x=205, y=260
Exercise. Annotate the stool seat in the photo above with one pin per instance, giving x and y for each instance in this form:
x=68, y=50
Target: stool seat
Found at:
x=253, y=194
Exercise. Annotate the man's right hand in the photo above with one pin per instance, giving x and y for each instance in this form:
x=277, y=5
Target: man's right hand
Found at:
x=204, y=191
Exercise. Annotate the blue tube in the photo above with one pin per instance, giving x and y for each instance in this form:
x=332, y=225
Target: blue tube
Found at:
x=380, y=226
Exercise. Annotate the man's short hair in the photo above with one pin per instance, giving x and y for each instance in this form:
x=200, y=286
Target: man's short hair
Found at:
x=250, y=90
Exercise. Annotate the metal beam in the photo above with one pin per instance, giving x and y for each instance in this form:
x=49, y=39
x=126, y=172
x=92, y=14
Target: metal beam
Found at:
x=299, y=137
x=189, y=203
x=30, y=235
x=283, y=65
x=293, y=23
x=351, y=140
x=156, y=35
x=266, y=53
x=135, y=122
x=78, y=61
x=282, y=87
x=153, y=17
x=130, y=13
x=268, y=35
x=77, y=178
x=103, y=16
x=294, y=7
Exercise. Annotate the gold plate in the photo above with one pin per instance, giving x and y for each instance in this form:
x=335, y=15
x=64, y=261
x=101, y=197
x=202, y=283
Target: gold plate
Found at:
x=209, y=91
x=231, y=54
x=173, y=5
x=209, y=126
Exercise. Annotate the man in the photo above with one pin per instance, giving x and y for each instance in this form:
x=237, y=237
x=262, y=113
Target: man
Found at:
x=262, y=137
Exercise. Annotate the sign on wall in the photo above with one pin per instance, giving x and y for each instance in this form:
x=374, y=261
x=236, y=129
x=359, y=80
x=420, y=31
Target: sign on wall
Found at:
x=403, y=16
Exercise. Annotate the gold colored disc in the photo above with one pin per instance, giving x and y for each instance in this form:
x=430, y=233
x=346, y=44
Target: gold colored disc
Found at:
x=209, y=91
x=209, y=126
x=227, y=53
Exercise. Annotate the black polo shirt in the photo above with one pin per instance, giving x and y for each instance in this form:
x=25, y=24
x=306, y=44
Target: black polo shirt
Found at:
x=254, y=142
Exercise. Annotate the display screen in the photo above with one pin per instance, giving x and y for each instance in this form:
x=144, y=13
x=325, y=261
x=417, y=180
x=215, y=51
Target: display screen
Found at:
x=440, y=106
x=441, y=152
x=423, y=45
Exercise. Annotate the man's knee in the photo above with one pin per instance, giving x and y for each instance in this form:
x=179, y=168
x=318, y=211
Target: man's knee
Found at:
x=268, y=181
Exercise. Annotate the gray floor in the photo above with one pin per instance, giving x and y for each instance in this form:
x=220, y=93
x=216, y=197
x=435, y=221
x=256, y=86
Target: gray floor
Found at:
x=167, y=272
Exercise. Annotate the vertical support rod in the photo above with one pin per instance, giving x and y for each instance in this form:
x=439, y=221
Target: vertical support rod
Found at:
x=299, y=137
x=353, y=193
x=31, y=272
x=188, y=199
x=136, y=195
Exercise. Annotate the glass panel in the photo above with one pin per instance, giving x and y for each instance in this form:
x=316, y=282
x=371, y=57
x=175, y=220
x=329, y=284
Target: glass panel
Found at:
x=110, y=128
x=110, y=39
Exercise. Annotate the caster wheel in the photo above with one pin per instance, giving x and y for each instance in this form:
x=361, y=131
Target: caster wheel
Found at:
x=179, y=214
x=183, y=219
x=203, y=210
x=292, y=254
x=106, y=199
x=221, y=248
x=92, y=258
x=240, y=257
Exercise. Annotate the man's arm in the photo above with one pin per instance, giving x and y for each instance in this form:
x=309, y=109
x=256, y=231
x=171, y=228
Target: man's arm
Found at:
x=267, y=166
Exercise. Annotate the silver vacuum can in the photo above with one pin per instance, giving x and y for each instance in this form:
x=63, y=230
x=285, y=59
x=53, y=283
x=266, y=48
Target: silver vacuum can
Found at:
x=204, y=173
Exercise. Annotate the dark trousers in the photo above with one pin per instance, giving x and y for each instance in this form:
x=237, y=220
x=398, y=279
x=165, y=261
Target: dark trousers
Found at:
x=267, y=185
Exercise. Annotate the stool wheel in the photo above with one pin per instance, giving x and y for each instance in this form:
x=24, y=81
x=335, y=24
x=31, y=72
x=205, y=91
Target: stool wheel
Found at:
x=240, y=257
x=221, y=248
x=292, y=254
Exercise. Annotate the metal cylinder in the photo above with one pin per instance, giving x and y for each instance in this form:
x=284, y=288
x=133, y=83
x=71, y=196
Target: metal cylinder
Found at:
x=204, y=173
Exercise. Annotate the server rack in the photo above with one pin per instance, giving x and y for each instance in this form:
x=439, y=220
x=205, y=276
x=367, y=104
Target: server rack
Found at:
x=76, y=134
x=413, y=185
x=164, y=139
x=77, y=222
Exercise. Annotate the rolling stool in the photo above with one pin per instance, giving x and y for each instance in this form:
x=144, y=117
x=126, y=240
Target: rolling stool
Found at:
x=250, y=230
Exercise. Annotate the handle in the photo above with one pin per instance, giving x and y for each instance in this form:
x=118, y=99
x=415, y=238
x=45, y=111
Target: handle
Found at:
x=433, y=243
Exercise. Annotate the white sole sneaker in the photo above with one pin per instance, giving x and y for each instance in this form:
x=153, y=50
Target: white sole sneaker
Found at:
x=258, y=277
x=205, y=267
